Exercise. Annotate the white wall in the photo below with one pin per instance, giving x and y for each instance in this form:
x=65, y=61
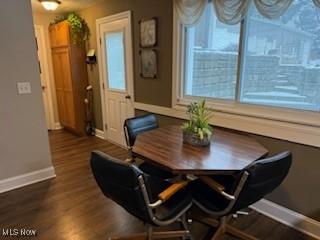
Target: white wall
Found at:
x=44, y=20
x=24, y=146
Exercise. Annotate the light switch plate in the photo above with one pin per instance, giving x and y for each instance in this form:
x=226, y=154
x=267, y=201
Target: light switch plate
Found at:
x=24, y=87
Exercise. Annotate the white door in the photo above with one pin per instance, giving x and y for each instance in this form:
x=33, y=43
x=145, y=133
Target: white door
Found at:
x=116, y=73
x=44, y=81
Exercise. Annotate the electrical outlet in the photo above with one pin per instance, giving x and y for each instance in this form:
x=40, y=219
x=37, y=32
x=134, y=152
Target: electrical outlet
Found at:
x=24, y=87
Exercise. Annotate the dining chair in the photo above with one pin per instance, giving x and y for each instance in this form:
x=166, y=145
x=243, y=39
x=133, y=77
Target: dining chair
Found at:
x=152, y=200
x=132, y=128
x=226, y=197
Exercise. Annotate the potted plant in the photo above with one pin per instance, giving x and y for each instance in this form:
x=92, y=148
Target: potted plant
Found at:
x=197, y=130
x=80, y=31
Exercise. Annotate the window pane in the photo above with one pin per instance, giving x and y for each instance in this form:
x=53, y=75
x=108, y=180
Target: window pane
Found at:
x=282, y=58
x=115, y=60
x=211, y=58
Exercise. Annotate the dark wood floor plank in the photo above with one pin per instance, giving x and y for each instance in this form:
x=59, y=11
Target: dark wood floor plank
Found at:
x=72, y=207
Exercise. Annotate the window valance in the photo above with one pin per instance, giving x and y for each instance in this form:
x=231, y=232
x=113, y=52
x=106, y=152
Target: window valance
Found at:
x=190, y=11
x=230, y=11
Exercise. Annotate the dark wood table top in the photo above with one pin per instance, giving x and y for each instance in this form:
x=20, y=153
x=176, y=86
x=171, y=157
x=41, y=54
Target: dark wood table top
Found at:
x=229, y=151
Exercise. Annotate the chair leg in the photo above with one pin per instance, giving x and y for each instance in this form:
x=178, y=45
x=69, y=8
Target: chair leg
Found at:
x=184, y=223
x=149, y=231
x=221, y=229
x=225, y=228
x=139, y=236
x=219, y=232
x=238, y=233
x=206, y=220
x=170, y=234
x=155, y=235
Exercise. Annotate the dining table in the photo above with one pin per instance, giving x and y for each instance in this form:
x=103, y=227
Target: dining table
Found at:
x=229, y=151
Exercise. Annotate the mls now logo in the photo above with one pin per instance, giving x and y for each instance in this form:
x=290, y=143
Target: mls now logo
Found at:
x=15, y=232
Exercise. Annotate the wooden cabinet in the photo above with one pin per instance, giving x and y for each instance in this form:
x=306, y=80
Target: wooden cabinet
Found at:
x=71, y=78
x=59, y=34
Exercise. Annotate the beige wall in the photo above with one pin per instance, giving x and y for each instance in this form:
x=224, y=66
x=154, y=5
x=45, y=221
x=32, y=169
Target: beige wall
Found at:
x=24, y=143
x=152, y=91
x=44, y=19
x=300, y=191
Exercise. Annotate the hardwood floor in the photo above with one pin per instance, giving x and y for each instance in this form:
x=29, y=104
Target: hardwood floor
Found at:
x=71, y=206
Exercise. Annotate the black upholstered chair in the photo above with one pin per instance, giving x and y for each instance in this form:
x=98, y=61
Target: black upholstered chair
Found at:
x=135, y=126
x=154, y=201
x=223, y=196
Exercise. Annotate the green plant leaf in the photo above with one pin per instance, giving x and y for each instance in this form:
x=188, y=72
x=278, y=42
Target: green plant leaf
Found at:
x=199, y=117
x=80, y=31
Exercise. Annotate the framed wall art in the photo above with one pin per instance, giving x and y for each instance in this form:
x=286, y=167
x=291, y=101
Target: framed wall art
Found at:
x=148, y=63
x=148, y=32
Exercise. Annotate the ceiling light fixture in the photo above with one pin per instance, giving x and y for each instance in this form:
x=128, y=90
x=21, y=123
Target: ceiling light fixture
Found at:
x=50, y=5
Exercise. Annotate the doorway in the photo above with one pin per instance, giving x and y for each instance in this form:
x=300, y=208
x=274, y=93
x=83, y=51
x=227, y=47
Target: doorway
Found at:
x=44, y=76
x=116, y=73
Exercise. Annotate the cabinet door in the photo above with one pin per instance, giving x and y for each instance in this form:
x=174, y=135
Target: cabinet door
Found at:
x=58, y=77
x=59, y=34
x=64, y=87
x=67, y=88
x=62, y=34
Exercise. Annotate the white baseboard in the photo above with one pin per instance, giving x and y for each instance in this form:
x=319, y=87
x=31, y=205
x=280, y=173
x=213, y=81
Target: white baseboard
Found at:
x=288, y=217
x=57, y=126
x=26, y=179
x=100, y=134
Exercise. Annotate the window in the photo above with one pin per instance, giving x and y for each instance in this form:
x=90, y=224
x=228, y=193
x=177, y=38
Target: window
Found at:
x=211, y=60
x=279, y=64
x=115, y=61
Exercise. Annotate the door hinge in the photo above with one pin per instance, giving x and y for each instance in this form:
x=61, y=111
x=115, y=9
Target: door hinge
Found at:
x=106, y=126
x=100, y=41
x=103, y=86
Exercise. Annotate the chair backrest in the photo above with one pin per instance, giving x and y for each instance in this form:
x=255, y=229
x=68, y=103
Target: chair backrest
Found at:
x=118, y=181
x=137, y=125
x=264, y=176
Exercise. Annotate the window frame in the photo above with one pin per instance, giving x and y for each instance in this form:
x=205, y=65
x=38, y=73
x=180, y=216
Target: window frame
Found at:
x=232, y=107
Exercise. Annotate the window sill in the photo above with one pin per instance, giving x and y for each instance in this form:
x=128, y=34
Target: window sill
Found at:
x=278, y=114
x=301, y=133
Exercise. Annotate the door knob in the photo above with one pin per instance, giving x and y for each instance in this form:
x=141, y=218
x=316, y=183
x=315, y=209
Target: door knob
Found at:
x=128, y=97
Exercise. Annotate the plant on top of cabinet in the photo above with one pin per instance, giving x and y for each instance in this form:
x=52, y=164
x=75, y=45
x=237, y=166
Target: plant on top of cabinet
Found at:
x=80, y=31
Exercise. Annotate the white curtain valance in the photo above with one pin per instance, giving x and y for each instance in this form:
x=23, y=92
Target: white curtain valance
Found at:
x=272, y=8
x=317, y=2
x=230, y=11
x=190, y=11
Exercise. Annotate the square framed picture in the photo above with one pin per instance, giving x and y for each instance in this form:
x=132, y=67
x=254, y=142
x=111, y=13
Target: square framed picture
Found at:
x=148, y=32
x=148, y=63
